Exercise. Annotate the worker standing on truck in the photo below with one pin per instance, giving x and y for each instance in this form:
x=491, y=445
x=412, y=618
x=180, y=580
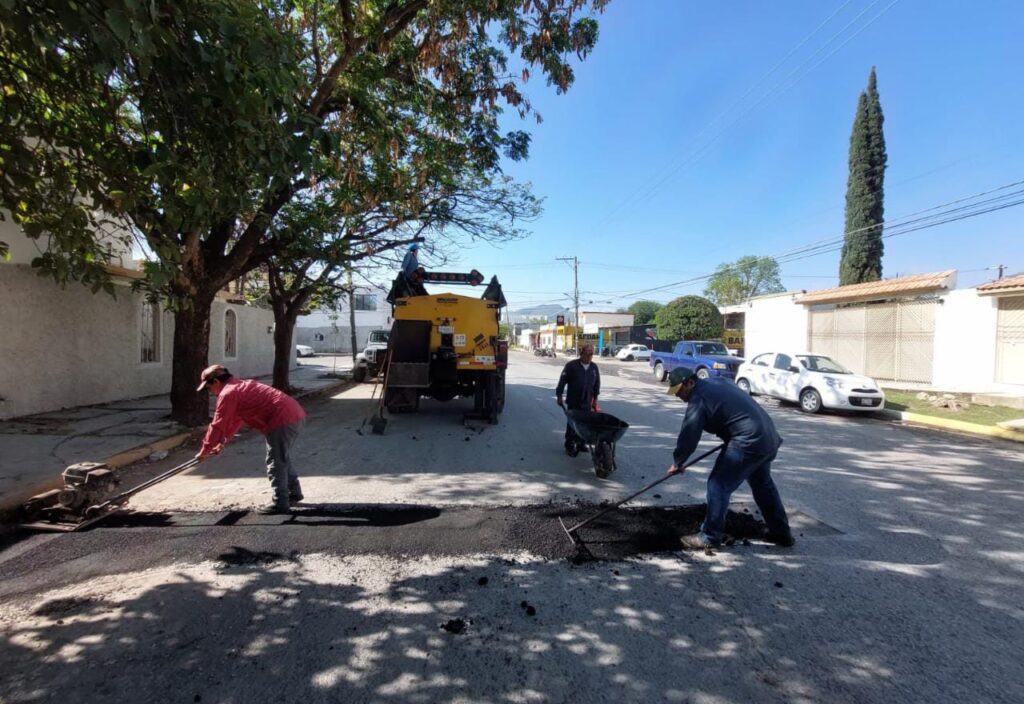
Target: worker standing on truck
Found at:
x=583, y=380
x=411, y=262
x=275, y=414
x=751, y=442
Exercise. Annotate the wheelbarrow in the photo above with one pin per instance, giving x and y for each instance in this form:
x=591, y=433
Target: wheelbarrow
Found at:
x=599, y=432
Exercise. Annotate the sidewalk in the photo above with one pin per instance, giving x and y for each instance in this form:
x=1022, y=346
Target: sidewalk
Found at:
x=34, y=450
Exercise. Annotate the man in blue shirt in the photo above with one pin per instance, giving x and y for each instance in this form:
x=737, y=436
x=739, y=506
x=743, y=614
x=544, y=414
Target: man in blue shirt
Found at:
x=411, y=261
x=582, y=379
x=718, y=406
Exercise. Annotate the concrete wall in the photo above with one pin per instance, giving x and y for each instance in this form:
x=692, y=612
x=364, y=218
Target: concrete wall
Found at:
x=965, y=343
x=774, y=323
x=68, y=347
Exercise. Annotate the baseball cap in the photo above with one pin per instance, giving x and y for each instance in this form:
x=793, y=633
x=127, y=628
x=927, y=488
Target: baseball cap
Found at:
x=210, y=374
x=676, y=378
x=414, y=246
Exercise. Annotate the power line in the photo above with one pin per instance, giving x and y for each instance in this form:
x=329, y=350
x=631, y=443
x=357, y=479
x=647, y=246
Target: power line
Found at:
x=899, y=227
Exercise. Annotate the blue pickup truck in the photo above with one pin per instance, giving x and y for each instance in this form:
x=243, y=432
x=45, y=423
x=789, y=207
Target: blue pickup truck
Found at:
x=706, y=359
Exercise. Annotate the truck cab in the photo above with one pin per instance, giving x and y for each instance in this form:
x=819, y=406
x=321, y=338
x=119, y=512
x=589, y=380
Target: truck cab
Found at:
x=706, y=358
x=369, y=361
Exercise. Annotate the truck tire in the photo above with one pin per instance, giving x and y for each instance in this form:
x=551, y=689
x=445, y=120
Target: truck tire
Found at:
x=501, y=391
x=491, y=398
x=359, y=374
x=659, y=371
x=703, y=373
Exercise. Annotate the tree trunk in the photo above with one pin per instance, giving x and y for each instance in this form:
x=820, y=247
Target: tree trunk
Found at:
x=284, y=331
x=191, y=353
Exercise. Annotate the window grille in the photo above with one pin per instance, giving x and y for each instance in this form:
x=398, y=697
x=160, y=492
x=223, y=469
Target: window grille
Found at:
x=230, y=334
x=149, y=326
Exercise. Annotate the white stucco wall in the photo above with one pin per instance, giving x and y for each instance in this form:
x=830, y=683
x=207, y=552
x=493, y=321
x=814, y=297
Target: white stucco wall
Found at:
x=774, y=323
x=68, y=347
x=605, y=319
x=965, y=343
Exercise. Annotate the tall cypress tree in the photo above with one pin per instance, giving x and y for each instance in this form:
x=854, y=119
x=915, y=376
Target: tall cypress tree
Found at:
x=862, y=246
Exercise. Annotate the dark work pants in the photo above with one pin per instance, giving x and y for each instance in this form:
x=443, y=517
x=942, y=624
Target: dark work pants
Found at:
x=732, y=468
x=283, y=479
x=571, y=437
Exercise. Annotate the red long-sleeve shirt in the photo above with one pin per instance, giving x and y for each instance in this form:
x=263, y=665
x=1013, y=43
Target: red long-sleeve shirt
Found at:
x=259, y=406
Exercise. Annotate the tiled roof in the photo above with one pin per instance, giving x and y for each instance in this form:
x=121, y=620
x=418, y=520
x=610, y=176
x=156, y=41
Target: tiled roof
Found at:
x=1010, y=283
x=886, y=288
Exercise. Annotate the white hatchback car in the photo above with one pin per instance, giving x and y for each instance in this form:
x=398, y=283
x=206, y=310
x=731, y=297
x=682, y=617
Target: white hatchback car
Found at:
x=304, y=351
x=631, y=352
x=812, y=380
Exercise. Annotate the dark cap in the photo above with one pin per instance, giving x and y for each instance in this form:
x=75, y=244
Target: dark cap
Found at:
x=212, y=373
x=676, y=378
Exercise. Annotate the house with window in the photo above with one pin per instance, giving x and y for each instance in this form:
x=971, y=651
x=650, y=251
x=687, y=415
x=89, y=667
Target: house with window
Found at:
x=65, y=347
x=329, y=330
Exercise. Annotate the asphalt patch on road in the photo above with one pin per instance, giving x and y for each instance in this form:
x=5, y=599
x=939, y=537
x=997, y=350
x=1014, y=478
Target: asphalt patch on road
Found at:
x=416, y=530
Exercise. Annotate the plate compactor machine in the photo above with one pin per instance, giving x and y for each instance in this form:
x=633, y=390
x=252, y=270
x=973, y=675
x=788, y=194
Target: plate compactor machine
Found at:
x=445, y=346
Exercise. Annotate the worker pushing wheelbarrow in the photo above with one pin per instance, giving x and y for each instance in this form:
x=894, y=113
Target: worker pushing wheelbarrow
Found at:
x=598, y=432
x=586, y=427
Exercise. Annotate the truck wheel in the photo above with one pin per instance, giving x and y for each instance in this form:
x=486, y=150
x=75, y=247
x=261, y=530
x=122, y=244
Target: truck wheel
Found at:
x=501, y=392
x=659, y=371
x=492, y=398
x=703, y=373
x=359, y=375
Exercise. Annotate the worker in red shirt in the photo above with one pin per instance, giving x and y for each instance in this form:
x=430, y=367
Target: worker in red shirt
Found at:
x=275, y=414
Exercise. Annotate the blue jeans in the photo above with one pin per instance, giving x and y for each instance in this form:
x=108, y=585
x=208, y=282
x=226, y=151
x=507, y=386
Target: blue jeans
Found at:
x=732, y=468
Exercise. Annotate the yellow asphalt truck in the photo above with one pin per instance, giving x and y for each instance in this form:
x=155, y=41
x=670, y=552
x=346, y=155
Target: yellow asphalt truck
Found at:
x=445, y=346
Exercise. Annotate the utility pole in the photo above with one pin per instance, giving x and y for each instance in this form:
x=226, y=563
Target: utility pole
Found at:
x=576, y=299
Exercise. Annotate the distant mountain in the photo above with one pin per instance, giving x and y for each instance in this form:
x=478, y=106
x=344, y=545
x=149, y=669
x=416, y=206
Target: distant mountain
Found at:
x=550, y=310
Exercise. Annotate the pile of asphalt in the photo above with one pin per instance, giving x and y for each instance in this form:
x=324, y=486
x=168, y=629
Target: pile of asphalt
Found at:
x=237, y=538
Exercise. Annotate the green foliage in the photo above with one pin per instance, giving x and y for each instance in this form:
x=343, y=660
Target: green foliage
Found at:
x=689, y=318
x=743, y=279
x=863, y=246
x=644, y=311
x=191, y=123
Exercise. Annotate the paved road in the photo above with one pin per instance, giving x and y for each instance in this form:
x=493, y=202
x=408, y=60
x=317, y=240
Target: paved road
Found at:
x=905, y=586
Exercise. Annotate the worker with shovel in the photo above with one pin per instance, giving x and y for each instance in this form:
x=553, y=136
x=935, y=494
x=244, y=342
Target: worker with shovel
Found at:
x=750, y=444
x=275, y=414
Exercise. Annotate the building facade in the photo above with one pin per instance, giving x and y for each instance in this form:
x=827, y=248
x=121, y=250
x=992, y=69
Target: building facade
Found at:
x=330, y=330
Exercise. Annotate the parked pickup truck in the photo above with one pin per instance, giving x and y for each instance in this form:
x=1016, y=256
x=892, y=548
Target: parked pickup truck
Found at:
x=706, y=359
x=369, y=361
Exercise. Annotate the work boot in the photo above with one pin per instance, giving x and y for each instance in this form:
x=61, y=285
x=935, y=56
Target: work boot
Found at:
x=696, y=542
x=295, y=498
x=271, y=509
x=783, y=540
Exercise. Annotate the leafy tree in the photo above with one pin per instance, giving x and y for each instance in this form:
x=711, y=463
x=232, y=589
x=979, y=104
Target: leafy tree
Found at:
x=689, y=318
x=190, y=124
x=743, y=279
x=320, y=244
x=643, y=311
x=862, y=245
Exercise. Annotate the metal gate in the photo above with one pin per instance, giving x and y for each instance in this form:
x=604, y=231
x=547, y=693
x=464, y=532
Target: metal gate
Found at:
x=892, y=341
x=1010, y=340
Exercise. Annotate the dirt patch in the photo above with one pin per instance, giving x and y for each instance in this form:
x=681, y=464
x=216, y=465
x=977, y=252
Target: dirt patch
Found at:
x=455, y=626
x=238, y=556
x=67, y=606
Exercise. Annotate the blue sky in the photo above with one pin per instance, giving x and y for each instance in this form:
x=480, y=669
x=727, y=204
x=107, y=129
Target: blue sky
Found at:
x=674, y=152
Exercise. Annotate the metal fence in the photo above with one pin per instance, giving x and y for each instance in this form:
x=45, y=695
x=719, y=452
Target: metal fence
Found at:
x=1010, y=340
x=890, y=340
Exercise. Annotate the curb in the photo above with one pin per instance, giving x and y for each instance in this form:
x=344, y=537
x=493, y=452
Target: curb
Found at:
x=959, y=426
x=13, y=501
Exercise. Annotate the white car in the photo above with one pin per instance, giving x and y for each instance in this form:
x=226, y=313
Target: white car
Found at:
x=304, y=351
x=631, y=352
x=812, y=380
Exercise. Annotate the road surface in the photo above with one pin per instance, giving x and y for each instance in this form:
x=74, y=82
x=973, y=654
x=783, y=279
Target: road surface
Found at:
x=905, y=583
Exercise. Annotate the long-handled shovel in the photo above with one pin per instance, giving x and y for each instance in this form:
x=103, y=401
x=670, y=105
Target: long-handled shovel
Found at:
x=571, y=532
